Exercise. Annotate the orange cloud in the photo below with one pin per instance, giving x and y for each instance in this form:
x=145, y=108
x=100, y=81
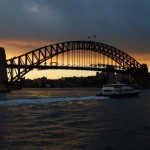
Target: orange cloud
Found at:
x=143, y=58
x=16, y=47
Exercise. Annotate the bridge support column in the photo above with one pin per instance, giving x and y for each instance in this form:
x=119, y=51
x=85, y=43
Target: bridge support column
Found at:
x=3, y=70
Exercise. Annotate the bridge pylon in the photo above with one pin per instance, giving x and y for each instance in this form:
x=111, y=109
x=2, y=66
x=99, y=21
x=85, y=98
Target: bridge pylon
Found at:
x=3, y=69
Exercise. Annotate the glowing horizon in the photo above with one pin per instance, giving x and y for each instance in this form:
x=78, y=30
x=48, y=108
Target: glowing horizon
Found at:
x=28, y=25
x=22, y=46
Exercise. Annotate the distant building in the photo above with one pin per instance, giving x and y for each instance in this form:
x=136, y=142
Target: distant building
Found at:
x=41, y=82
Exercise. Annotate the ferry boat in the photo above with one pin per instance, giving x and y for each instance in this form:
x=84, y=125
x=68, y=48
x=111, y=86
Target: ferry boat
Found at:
x=118, y=90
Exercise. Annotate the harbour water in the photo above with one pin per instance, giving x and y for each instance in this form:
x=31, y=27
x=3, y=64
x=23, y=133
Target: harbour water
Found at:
x=73, y=119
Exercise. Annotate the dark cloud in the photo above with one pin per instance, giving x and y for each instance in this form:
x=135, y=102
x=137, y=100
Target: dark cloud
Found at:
x=116, y=22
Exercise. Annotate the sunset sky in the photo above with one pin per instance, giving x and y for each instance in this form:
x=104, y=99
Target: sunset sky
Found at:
x=29, y=24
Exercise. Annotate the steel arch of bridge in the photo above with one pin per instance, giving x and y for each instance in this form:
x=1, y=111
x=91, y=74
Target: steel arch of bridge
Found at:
x=19, y=66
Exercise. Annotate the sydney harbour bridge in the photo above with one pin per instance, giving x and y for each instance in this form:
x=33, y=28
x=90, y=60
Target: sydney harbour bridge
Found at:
x=74, y=55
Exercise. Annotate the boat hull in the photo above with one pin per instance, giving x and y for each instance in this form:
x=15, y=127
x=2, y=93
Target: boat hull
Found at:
x=121, y=95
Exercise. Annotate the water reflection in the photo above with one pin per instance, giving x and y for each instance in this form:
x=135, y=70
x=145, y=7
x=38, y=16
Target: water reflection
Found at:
x=91, y=124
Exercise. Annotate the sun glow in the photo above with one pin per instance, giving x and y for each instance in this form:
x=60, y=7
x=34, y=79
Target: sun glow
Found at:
x=142, y=58
x=17, y=47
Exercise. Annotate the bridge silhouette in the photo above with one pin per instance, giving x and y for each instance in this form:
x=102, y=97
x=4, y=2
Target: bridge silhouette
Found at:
x=74, y=55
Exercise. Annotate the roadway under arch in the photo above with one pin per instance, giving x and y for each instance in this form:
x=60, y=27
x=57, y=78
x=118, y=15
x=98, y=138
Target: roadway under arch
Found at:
x=19, y=66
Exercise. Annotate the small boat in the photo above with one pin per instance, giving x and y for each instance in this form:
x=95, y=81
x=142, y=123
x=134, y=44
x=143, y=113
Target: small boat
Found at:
x=118, y=90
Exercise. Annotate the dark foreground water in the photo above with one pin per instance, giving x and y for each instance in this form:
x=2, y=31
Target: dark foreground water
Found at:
x=72, y=119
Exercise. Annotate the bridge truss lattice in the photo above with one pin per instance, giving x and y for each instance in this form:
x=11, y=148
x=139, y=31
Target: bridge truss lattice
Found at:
x=80, y=55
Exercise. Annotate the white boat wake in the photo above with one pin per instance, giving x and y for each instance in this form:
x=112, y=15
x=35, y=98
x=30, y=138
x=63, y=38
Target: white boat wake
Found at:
x=15, y=102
